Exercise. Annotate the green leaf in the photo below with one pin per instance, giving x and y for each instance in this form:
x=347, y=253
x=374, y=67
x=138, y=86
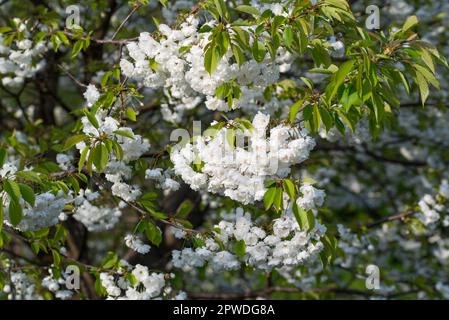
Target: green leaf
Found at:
x=310, y=220
x=56, y=258
x=73, y=140
x=409, y=23
x=249, y=10
x=164, y=3
x=105, y=78
x=131, y=114
x=27, y=194
x=289, y=188
x=151, y=196
x=61, y=185
x=294, y=109
x=222, y=9
x=92, y=119
x=99, y=289
x=118, y=150
x=428, y=60
x=211, y=59
x=2, y=217
x=423, y=87
x=82, y=159
x=12, y=188
x=326, y=118
x=240, y=248
x=3, y=156
x=307, y=82
x=230, y=137
x=309, y=180
x=29, y=176
x=15, y=212
x=288, y=36
x=305, y=219
x=268, y=197
x=124, y=133
x=278, y=199
x=74, y=183
x=101, y=157
x=90, y=160
x=5, y=29
x=338, y=78
x=238, y=54
x=110, y=260
x=259, y=51
x=184, y=209
x=153, y=233
x=63, y=38
x=78, y=46
x=300, y=215
x=316, y=118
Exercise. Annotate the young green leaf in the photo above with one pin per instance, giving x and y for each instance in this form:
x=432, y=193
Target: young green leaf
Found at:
x=211, y=59
x=15, y=212
x=73, y=140
x=131, y=114
x=249, y=10
x=289, y=188
x=12, y=188
x=125, y=133
x=3, y=156
x=184, y=209
x=268, y=197
x=101, y=157
x=27, y=194
x=240, y=248
x=153, y=233
x=278, y=199
x=82, y=158
x=294, y=109
x=338, y=78
x=409, y=23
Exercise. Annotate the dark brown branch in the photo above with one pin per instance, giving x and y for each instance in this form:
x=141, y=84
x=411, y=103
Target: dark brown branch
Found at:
x=400, y=216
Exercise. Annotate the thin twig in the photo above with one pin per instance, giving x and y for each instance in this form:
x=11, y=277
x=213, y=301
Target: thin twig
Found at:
x=80, y=84
x=137, y=7
x=400, y=216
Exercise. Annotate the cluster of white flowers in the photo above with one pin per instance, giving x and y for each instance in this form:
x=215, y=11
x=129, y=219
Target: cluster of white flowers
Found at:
x=91, y=95
x=175, y=62
x=47, y=208
x=352, y=245
x=93, y=217
x=443, y=289
x=45, y=213
x=8, y=170
x=163, y=179
x=64, y=161
x=146, y=285
x=178, y=233
x=430, y=208
x=136, y=244
x=288, y=245
x=21, y=287
x=240, y=172
x=444, y=189
x=56, y=286
x=118, y=172
x=311, y=198
x=19, y=61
